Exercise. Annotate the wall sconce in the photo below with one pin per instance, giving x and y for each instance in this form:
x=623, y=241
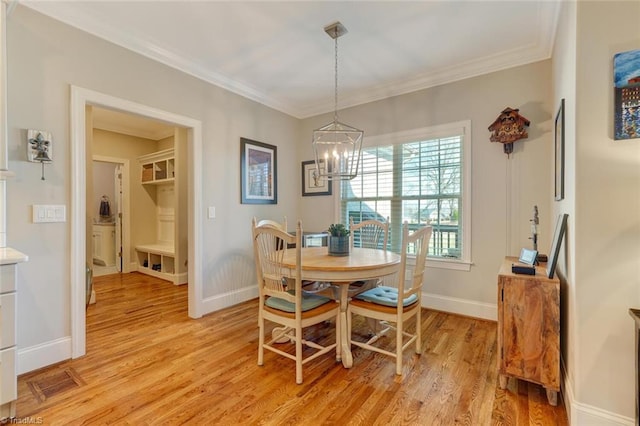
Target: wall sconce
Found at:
x=39, y=147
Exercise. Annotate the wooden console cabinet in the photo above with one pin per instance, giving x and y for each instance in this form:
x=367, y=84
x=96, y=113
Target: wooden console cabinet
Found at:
x=529, y=328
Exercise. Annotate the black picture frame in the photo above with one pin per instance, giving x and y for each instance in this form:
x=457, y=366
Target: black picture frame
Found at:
x=311, y=185
x=559, y=153
x=258, y=172
x=558, y=236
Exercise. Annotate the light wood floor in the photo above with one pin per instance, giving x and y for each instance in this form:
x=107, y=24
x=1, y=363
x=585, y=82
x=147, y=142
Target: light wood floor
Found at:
x=148, y=363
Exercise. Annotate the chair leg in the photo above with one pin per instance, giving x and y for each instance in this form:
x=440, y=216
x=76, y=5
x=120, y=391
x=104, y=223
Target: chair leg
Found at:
x=419, y=331
x=261, y=340
x=299, y=355
x=399, y=328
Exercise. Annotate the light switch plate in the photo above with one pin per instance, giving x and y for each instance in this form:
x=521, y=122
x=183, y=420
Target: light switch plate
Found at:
x=48, y=213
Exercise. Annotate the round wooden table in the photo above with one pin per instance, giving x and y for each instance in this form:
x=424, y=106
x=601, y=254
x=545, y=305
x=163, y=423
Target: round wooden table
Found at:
x=360, y=264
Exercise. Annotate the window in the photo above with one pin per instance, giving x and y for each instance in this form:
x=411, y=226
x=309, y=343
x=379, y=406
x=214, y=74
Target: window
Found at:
x=422, y=177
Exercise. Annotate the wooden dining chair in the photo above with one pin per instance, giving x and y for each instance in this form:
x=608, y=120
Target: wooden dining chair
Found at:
x=373, y=234
x=394, y=306
x=282, y=300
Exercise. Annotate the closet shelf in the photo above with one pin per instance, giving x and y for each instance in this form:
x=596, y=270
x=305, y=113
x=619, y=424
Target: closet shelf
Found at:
x=158, y=167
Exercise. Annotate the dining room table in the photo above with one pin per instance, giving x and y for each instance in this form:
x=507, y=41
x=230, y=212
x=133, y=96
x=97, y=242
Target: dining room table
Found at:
x=359, y=265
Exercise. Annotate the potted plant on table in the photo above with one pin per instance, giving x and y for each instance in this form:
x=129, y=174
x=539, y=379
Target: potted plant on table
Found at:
x=338, y=240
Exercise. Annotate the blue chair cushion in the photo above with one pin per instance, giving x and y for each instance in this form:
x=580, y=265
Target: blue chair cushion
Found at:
x=387, y=296
x=309, y=301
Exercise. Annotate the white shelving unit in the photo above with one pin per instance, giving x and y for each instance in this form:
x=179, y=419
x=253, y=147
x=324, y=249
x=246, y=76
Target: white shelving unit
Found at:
x=158, y=260
x=158, y=167
x=163, y=258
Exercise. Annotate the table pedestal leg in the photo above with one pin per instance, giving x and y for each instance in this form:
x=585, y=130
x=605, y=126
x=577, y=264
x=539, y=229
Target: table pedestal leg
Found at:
x=347, y=358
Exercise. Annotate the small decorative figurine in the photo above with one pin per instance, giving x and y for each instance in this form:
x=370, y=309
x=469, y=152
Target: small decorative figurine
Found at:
x=508, y=128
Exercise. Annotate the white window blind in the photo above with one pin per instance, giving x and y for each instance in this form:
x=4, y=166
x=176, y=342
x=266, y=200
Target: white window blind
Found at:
x=419, y=179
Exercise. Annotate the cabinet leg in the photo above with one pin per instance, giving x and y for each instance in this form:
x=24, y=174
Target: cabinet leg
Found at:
x=503, y=381
x=552, y=396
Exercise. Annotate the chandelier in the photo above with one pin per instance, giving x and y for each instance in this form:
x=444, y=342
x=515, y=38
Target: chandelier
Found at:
x=337, y=145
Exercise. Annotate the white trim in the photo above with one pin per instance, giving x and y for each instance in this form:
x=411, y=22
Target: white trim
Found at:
x=126, y=206
x=44, y=354
x=225, y=300
x=454, y=305
x=455, y=265
x=80, y=98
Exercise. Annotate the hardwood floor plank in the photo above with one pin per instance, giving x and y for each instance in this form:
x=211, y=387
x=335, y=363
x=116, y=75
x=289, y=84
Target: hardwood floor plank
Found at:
x=148, y=363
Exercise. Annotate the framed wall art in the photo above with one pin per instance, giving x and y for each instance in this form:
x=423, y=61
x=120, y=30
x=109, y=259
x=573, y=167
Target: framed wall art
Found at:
x=559, y=153
x=558, y=236
x=313, y=184
x=258, y=172
x=626, y=75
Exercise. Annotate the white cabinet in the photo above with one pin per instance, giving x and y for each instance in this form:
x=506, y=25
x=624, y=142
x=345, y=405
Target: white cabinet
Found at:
x=9, y=259
x=104, y=244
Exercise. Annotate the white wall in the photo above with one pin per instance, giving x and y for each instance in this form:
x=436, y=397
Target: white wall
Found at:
x=45, y=58
x=607, y=215
x=504, y=190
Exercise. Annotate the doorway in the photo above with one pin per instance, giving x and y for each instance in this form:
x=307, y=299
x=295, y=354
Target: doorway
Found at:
x=82, y=100
x=110, y=216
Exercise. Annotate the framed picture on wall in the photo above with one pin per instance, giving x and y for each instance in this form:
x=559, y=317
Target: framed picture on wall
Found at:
x=559, y=153
x=312, y=184
x=626, y=92
x=556, y=243
x=258, y=172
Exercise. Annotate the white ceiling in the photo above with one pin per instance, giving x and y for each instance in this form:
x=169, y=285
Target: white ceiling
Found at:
x=278, y=54
x=130, y=124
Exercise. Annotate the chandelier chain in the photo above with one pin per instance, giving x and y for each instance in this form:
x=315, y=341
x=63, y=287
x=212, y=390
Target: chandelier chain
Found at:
x=335, y=101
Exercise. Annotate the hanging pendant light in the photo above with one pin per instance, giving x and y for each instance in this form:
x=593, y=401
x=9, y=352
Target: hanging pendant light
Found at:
x=337, y=145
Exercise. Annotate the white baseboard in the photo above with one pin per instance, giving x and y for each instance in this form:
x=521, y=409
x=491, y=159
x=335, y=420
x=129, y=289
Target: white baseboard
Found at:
x=133, y=266
x=43, y=355
x=225, y=300
x=471, y=308
x=588, y=415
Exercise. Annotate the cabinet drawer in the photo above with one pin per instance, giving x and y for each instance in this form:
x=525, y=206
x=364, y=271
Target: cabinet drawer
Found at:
x=8, y=378
x=7, y=278
x=7, y=320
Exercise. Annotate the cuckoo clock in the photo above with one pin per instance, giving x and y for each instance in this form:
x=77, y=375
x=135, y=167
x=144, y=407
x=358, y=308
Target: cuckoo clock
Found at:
x=508, y=128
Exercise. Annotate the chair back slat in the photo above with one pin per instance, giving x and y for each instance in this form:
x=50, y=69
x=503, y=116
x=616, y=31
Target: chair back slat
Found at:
x=372, y=233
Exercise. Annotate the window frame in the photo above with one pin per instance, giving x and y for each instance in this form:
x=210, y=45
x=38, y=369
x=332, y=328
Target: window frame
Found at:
x=426, y=133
